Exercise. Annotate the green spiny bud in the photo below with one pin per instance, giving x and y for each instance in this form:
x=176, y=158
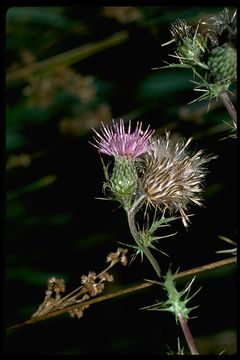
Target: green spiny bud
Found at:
x=191, y=49
x=222, y=63
x=124, y=177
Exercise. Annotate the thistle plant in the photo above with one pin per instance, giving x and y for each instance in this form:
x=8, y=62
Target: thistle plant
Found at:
x=155, y=179
x=211, y=54
x=151, y=172
x=156, y=173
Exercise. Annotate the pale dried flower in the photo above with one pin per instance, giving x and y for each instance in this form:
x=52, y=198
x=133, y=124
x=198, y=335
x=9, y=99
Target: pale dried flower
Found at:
x=123, y=260
x=94, y=288
x=89, y=283
x=92, y=285
x=172, y=177
x=52, y=295
x=90, y=278
x=106, y=277
x=78, y=312
x=119, y=255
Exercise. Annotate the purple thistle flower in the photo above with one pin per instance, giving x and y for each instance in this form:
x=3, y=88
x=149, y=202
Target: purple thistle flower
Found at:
x=115, y=141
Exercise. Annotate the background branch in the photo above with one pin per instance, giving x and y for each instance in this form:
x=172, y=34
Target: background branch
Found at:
x=129, y=290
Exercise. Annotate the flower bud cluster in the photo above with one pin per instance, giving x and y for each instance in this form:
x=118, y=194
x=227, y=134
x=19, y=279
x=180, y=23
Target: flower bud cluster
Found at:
x=211, y=53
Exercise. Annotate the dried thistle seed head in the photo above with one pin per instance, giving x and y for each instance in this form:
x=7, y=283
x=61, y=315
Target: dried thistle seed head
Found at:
x=222, y=25
x=180, y=29
x=117, y=142
x=171, y=177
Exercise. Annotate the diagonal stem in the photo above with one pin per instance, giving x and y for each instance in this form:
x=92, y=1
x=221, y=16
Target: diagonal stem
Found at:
x=142, y=247
x=229, y=106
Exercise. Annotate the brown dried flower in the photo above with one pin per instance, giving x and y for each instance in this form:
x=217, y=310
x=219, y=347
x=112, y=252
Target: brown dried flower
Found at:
x=91, y=285
x=106, y=277
x=171, y=177
x=119, y=255
x=90, y=278
x=89, y=282
x=78, y=312
x=52, y=296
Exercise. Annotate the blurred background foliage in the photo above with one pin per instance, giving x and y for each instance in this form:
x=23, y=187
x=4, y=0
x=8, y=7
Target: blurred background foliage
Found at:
x=68, y=70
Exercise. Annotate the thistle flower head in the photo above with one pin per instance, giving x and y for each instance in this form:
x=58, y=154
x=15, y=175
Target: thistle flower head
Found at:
x=171, y=177
x=115, y=141
x=223, y=25
x=180, y=29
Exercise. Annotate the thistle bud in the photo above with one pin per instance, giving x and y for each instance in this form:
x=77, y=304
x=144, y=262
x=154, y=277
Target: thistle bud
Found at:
x=124, y=177
x=191, y=49
x=223, y=63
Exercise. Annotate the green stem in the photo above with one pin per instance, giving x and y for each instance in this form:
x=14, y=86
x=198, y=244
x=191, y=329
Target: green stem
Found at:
x=132, y=225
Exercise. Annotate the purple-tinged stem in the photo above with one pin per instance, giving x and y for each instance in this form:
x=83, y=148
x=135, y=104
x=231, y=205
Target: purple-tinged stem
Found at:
x=188, y=336
x=229, y=106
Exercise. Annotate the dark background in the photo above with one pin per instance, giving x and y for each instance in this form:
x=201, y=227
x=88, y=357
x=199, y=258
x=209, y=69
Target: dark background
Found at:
x=57, y=227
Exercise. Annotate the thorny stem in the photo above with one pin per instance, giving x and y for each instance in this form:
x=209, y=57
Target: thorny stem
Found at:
x=135, y=235
x=187, y=333
x=183, y=322
x=129, y=290
x=229, y=106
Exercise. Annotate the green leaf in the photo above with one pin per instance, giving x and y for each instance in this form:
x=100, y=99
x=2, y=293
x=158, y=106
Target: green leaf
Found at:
x=67, y=58
x=36, y=185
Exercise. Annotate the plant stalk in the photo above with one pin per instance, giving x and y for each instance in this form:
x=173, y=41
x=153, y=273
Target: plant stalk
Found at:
x=143, y=248
x=229, y=106
x=187, y=333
